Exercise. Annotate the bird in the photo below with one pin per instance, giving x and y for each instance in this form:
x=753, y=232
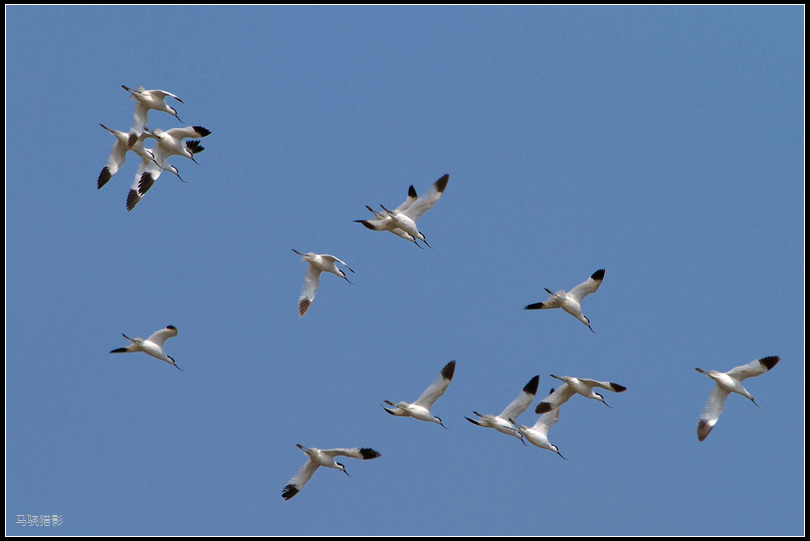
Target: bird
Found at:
x=170, y=142
x=148, y=171
x=118, y=154
x=323, y=457
x=729, y=382
x=317, y=264
x=505, y=422
x=421, y=408
x=538, y=434
x=151, y=346
x=571, y=302
x=381, y=221
x=572, y=386
x=402, y=220
x=148, y=99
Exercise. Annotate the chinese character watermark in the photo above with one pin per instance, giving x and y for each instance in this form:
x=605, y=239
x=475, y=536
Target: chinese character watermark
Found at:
x=39, y=520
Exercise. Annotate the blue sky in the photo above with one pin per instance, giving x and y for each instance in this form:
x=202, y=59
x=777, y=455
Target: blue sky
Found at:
x=665, y=145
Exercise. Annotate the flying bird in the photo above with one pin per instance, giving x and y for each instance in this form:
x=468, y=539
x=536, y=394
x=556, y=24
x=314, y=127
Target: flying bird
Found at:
x=148, y=99
x=151, y=346
x=318, y=263
x=421, y=408
x=571, y=302
x=538, y=434
x=145, y=177
x=505, y=421
x=572, y=386
x=322, y=457
x=171, y=142
x=118, y=154
x=402, y=220
x=729, y=382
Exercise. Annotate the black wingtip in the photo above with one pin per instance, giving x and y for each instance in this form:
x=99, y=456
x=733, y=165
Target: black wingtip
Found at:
x=472, y=421
x=543, y=407
x=531, y=387
x=366, y=223
x=146, y=182
x=104, y=177
x=448, y=370
x=535, y=306
x=441, y=184
x=368, y=453
x=119, y=350
x=598, y=275
x=132, y=199
x=769, y=362
x=289, y=492
x=202, y=131
x=412, y=192
x=618, y=388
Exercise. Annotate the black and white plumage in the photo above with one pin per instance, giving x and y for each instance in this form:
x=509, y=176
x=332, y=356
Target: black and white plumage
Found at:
x=402, y=220
x=151, y=346
x=169, y=143
x=571, y=302
x=537, y=435
x=323, y=457
x=318, y=263
x=572, y=386
x=727, y=383
x=146, y=100
x=421, y=408
x=505, y=421
x=118, y=154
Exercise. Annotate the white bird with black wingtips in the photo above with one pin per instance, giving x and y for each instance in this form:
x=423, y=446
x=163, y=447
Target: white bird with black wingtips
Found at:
x=421, y=408
x=148, y=99
x=571, y=302
x=505, y=421
x=538, y=434
x=151, y=346
x=572, y=386
x=118, y=154
x=403, y=218
x=323, y=457
x=318, y=263
x=727, y=383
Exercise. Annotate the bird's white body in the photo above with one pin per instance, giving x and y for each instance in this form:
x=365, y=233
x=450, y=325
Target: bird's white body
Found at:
x=322, y=457
x=171, y=142
x=571, y=302
x=151, y=346
x=538, y=434
x=505, y=421
x=572, y=386
x=402, y=220
x=727, y=383
x=146, y=100
x=318, y=263
x=421, y=408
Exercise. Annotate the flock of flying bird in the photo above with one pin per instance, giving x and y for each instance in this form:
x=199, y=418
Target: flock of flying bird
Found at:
x=153, y=160
x=400, y=221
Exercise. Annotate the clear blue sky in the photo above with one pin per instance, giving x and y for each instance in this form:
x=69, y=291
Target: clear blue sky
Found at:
x=665, y=145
